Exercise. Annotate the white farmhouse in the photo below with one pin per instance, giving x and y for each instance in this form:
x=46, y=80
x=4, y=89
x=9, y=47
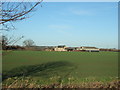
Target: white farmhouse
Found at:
x=60, y=48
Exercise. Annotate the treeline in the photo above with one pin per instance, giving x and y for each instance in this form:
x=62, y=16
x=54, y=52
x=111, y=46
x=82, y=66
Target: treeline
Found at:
x=16, y=47
x=44, y=48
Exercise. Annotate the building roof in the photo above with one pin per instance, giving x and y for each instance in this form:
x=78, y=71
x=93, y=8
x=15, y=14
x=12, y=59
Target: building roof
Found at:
x=61, y=46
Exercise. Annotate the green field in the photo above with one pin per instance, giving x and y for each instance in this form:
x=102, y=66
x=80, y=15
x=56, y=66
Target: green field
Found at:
x=46, y=68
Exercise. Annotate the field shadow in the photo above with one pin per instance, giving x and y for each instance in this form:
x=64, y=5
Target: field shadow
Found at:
x=41, y=70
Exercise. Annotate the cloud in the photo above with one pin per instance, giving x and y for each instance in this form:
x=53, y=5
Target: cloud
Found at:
x=75, y=11
x=81, y=12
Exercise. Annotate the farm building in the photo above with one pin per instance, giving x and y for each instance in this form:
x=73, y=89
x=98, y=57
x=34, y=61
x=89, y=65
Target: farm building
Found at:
x=60, y=48
x=89, y=49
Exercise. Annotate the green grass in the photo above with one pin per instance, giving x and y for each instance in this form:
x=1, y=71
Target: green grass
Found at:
x=60, y=67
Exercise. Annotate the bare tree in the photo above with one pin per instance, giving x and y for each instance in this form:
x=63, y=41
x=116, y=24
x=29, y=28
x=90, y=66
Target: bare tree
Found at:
x=5, y=41
x=28, y=43
x=15, y=11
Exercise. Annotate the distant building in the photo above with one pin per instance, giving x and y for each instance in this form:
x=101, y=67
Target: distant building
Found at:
x=60, y=48
x=88, y=49
x=71, y=48
x=49, y=49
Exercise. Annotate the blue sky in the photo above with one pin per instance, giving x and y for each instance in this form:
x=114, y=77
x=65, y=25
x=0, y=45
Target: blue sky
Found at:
x=71, y=24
